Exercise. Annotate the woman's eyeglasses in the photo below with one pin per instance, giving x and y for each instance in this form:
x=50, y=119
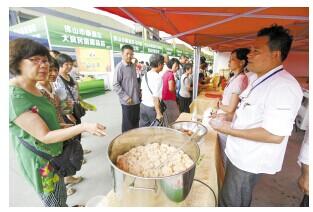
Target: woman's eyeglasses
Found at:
x=38, y=61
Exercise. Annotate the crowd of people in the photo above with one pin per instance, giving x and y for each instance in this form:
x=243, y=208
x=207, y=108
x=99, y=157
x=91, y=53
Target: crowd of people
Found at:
x=254, y=119
x=145, y=90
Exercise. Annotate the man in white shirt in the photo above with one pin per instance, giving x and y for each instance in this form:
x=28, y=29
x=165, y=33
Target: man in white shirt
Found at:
x=303, y=161
x=151, y=87
x=263, y=121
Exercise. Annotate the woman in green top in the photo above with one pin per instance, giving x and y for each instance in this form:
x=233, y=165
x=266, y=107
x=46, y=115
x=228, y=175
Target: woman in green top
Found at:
x=33, y=119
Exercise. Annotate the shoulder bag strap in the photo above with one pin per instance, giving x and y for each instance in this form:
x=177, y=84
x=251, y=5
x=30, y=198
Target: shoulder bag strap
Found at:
x=36, y=151
x=146, y=77
x=66, y=85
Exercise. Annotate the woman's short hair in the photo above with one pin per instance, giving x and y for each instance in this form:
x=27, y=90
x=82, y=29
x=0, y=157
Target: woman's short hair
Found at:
x=54, y=64
x=64, y=58
x=155, y=60
x=242, y=54
x=201, y=76
x=23, y=48
x=202, y=59
x=55, y=53
x=187, y=67
x=171, y=62
x=203, y=65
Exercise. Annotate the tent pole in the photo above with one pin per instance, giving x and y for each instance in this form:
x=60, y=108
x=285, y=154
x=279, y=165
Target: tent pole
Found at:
x=139, y=22
x=196, y=68
x=196, y=13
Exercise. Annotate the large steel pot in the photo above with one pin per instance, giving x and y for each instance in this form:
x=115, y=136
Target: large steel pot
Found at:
x=134, y=190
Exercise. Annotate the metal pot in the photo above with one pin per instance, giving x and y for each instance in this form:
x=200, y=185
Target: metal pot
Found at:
x=194, y=127
x=134, y=190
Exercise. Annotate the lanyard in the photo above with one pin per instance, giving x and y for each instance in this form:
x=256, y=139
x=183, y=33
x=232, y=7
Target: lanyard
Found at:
x=266, y=78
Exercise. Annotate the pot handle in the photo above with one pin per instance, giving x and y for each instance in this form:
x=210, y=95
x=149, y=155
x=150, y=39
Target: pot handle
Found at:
x=132, y=186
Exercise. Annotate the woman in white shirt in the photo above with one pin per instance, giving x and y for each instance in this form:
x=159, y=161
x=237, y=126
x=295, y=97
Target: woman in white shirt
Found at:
x=63, y=81
x=185, y=92
x=236, y=84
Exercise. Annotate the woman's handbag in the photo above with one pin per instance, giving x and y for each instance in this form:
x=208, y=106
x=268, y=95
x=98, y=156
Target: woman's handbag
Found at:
x=78, y=110
x=162, y=106
x=65, y=164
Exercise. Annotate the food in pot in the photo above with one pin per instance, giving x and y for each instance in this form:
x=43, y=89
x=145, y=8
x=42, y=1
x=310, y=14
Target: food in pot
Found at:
x=154, y=160
x=186, y=132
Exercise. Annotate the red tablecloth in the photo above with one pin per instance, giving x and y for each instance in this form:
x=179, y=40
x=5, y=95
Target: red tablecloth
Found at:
x=210, y=95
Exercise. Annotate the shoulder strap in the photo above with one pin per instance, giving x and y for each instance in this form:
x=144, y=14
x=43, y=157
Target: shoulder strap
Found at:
x=68, y=89
x=182, y=80
x=146, y=77
x=36, y=151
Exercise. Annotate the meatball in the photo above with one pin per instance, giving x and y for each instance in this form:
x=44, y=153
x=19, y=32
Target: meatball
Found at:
x=154, y=160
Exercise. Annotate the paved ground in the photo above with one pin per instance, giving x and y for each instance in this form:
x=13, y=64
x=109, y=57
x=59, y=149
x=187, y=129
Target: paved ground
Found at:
x=282, y=189
x=277, y=190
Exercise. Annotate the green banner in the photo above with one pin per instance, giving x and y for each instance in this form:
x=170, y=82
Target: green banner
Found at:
x=35, y=27
x=188, y=53
x=178, y=52
x=66, y=33
x=168, y=49
x=120, y=39
x=152, y=47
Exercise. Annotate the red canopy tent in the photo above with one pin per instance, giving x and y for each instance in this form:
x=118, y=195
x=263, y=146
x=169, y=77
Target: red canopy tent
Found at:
x=221, y=28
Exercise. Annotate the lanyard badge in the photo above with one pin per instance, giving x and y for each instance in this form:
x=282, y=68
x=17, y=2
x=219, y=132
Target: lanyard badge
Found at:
x=244, y=101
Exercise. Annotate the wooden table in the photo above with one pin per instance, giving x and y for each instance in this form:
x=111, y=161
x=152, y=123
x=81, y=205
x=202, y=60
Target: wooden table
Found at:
x=201, y=103
x=210, y=171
